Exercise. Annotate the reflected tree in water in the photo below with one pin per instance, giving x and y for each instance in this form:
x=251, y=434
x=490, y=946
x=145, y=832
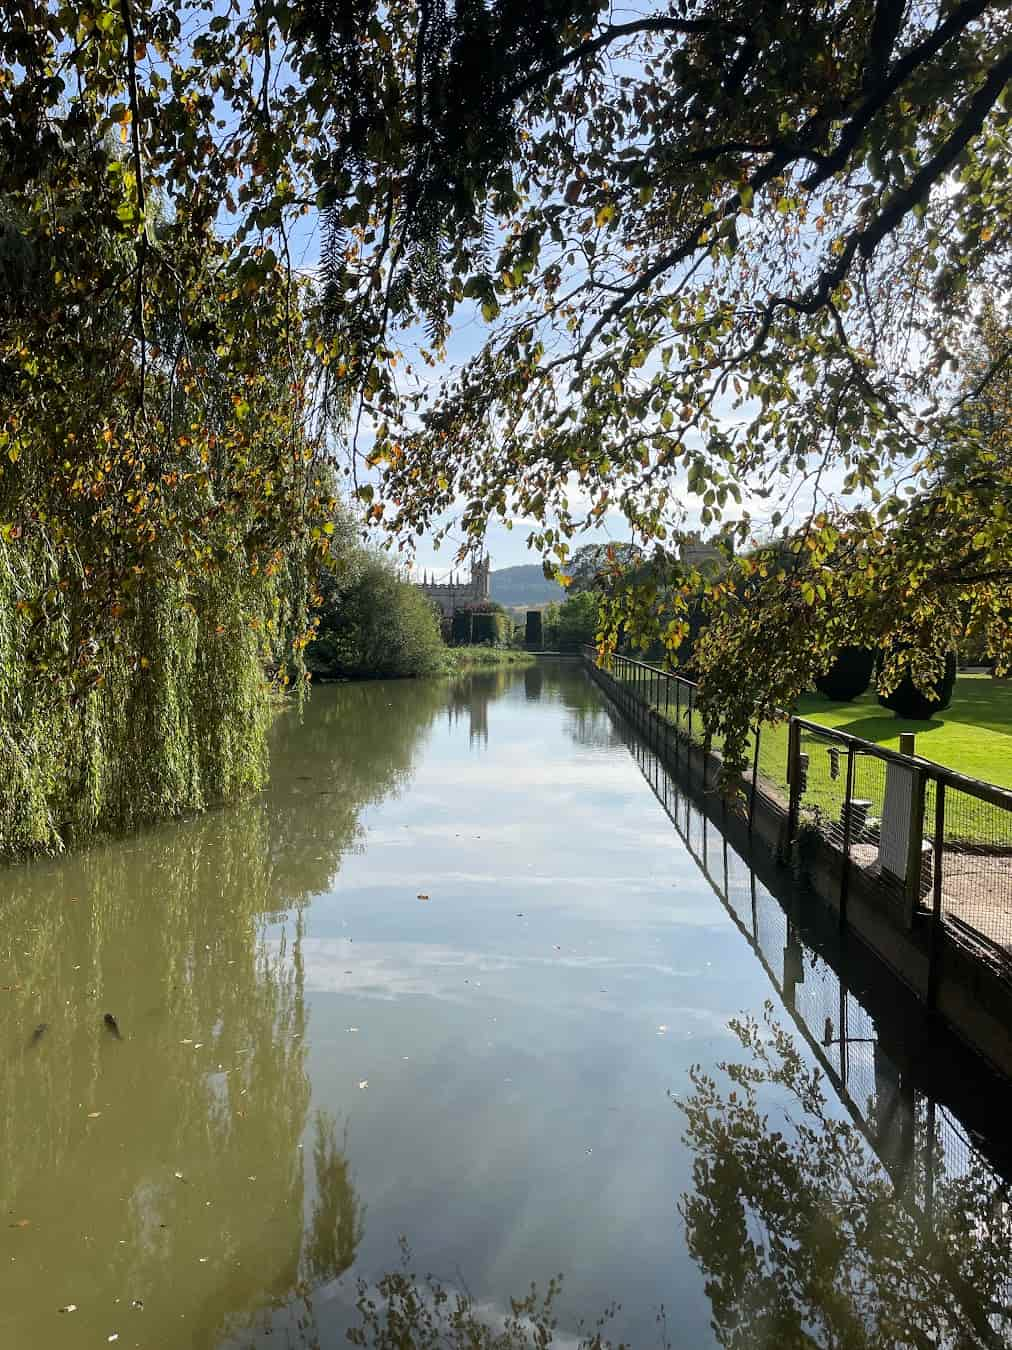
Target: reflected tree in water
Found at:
x=166, y=1166
x=806, y=1240
x=336, y=1227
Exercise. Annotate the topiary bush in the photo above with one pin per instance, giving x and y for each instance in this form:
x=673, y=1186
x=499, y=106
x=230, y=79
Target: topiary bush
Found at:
x=483, y=628
x=461, y=629
x=849, y=675
x=907, y=700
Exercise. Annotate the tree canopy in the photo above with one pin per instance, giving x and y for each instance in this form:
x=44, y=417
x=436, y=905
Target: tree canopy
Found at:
x=735, y=254
x=726, y=255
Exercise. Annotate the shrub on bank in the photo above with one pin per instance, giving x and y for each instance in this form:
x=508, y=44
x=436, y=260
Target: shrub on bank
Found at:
x=371, y=623
x=572, y=624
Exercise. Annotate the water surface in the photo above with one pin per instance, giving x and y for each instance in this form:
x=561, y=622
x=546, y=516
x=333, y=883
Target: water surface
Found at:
x=438, y=981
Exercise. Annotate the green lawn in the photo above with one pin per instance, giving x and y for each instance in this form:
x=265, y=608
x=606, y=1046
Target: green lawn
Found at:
x=973, y=735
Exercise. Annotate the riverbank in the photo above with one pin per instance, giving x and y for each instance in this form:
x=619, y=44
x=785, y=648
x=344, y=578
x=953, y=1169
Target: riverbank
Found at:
x=462, y=659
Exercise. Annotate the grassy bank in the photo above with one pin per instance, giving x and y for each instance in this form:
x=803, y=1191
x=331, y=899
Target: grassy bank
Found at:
x=973, y=736
x=463, y=659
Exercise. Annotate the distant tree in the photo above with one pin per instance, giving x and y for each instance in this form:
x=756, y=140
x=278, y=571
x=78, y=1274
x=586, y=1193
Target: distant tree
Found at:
x=600, y=566
x=573, y=623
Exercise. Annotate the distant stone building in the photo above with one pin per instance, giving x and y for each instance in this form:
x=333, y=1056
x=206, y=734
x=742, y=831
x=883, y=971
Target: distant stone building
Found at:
x=456, y=593
x=695, y=553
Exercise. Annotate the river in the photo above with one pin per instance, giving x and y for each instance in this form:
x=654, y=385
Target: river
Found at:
x=441, y=980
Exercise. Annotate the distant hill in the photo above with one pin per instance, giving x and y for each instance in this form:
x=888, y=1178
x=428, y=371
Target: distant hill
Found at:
x=524, y=585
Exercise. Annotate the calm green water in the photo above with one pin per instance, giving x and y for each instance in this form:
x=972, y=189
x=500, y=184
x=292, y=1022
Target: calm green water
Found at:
x=438, y=981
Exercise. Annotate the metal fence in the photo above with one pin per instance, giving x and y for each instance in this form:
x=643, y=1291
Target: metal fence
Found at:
x=934, y=846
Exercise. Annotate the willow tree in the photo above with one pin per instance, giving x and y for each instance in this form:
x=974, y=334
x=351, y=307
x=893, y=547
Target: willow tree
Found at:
x=158, y=498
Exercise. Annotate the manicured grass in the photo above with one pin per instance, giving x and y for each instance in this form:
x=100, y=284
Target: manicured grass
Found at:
x=973, y=736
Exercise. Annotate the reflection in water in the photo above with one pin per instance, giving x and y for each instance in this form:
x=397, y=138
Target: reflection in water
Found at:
x=183, y=1175
x=163, y=1167
x=470, y=697
x=336, y=1227
x=592, y=723
x=888, y=1229
x=805, y=1238
x=534, y=680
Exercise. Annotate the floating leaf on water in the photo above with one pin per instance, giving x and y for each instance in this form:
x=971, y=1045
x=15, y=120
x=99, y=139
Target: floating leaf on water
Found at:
x=353, y=1028
x=364, y=1083
x=69, y=1307
x=421, y=896
x=186, y=1042
x=137, y=1303
x=113, y=1337
x=94, y=1115
x=22, y=1223
x=179, y=1176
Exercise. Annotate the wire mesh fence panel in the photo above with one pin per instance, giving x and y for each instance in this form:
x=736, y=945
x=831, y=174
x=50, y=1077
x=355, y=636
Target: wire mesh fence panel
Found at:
x=976, y=876
x=821, y=784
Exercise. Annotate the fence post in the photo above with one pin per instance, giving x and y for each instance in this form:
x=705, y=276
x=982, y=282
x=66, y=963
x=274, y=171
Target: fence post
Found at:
x=935, y=957
x=915, y=853
x=678, y=714
x=793, y=779
x=847, y=815
x=755, y=775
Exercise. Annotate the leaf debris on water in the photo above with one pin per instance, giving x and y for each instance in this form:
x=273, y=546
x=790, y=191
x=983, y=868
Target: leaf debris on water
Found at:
x=179, y=1176
x=69, y=1307
x=21, y=1223
x=364, y=1083
x=421, y=896
x=94, y=1115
